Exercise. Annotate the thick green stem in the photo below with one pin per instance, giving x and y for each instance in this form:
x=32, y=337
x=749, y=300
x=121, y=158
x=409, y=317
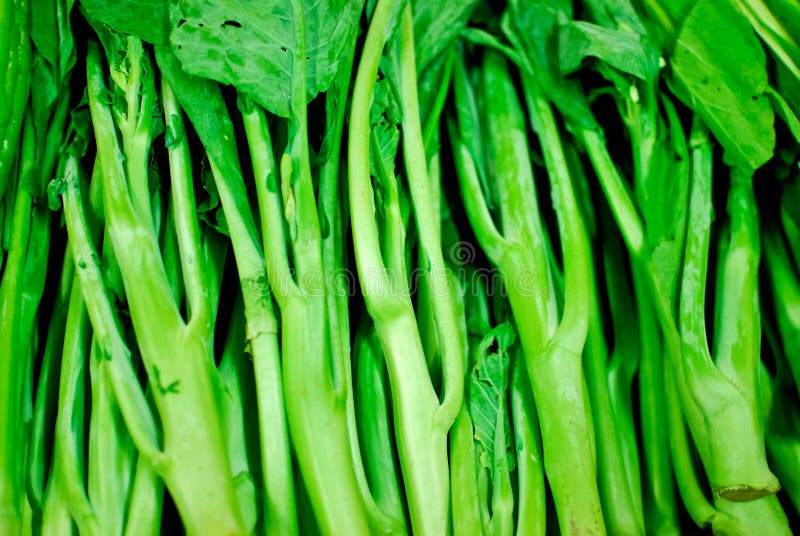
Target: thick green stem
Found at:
x=420, y=423
x=326, y=464
x=70, y=423
x=45, y=407
x=426, y=214
x=112, y=456
x=786, y=298
x=16, y=88
x=373, y=413
x=715, y=406
x=335, y=498
x=464, y=497
x=661, y=509
x=576, y=497
x=181, y=367
x=185, y=217
x=15, y=350
x=616, y=489
x=531, y=505
x=616, y=190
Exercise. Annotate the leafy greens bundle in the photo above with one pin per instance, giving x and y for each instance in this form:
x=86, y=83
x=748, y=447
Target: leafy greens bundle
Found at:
x=399, y=267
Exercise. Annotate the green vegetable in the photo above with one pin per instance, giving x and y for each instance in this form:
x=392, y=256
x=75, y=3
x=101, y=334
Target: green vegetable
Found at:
x=399, y=267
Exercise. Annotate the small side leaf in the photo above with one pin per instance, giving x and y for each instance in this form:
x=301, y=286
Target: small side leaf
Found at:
x=488, y=390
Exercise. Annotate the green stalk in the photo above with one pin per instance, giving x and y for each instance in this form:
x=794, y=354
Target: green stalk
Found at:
x=56, y=519
x=111, y=453
x=578, y=509
x=691, y=490
x=464, y=496
x=760, y=516
x=502, y=521
x=616, y=191
x=112, y=456
x=393, y=245
x=131, y=501
x=738, y=326
x=438, y=283
x=421, y=423
x=624, y=362
x=186, y=226
x=70, y=423
x=105, y=324
x=785, y=285
x=307, y=347
x=617, y=490
x=332, y=201
x=203, y=103
x=313, y=398
x=180, y=367
x=239, y=415
x=715, y=406
x=15, y=351
x=16, y=87
x=44, y=410
x=738, y=338
x=553, y=357
x=32, y=184
x=145, y=501
x=332, y=484
x=373, y=413
x=427, y=217
x=531, y=505
x=710, y=402
x=660, y=506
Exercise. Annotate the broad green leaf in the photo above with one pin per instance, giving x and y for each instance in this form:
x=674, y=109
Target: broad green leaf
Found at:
x=146, y=19
x=252, y=45
x=532, y=26
x=436, y=25
x=488, y=391
x=44, y=29
x=622, y=50
x=721, y=65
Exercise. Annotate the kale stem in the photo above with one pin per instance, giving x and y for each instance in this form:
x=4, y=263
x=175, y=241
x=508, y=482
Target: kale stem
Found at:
x=575, y=490
x=616, y=191
x=420, y=427
x=185, y=216
x=427, y=219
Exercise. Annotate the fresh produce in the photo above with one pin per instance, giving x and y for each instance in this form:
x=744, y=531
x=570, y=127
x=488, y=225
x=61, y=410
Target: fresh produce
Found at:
x=399, y=267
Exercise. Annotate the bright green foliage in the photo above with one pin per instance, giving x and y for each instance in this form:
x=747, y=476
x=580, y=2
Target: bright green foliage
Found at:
x=397, y=267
